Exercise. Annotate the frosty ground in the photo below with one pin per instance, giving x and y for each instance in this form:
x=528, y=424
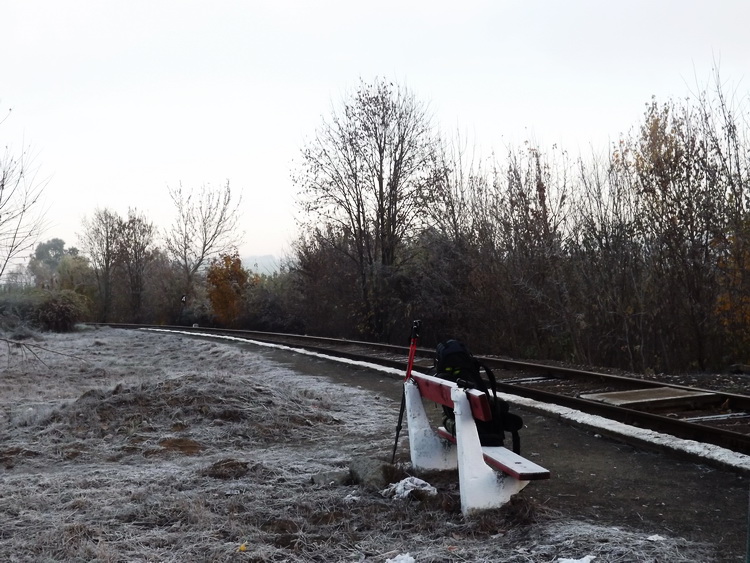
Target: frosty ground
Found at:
x=123, y=445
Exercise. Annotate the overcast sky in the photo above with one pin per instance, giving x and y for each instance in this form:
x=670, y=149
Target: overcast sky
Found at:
x=120, y=99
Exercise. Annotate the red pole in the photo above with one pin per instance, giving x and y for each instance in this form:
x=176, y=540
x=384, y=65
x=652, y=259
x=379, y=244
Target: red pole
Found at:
x=410, y=363
x=412, y=348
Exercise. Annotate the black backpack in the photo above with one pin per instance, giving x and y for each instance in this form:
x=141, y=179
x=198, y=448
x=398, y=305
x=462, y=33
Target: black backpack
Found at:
x=455, y=363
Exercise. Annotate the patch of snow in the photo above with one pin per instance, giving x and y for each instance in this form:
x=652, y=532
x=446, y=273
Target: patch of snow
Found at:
x=404, y=488
x=705, y=451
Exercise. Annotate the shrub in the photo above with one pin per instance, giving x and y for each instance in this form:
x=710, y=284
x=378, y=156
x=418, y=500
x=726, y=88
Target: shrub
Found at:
x=17, y=308
x=59, y=311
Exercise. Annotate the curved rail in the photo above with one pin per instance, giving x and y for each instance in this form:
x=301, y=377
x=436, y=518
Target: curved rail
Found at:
x=707, y=416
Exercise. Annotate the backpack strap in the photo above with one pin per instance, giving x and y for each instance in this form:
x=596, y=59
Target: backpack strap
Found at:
x=490, y=377
x=510, y=422
x=513, y=423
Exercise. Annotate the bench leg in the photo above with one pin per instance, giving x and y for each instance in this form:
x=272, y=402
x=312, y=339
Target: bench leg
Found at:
x=428, y=451
x=481, y=486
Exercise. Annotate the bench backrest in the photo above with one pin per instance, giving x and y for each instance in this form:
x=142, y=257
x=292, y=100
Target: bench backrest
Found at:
x=439, y=390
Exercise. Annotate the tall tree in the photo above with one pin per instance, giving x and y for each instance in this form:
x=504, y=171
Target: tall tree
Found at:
x=206, y=226
x=162, y=290
x=22, y=216
x=363, y=180
x=724, y=118
x=99, y=241
x=683, y=216
x=135, y=249
x=43, y=264
x=227, y=282
x=75, y=274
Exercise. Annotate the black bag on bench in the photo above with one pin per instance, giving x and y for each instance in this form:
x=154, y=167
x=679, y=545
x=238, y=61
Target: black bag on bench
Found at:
x=455, y=363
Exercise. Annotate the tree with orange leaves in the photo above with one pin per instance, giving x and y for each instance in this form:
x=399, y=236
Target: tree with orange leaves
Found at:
x=227, y=282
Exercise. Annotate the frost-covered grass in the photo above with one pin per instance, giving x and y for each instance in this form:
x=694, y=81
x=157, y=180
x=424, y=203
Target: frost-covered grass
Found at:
x=137, y=446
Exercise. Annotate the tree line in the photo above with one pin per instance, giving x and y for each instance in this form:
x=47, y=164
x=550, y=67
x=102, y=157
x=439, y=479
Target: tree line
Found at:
x=124, y=270
x=634, y=258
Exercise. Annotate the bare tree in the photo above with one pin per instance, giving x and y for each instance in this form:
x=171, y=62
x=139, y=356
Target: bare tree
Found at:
x=21, y=206
x=363, y=180
x=135, y=250
x=724, y=118
x=161, y=296
x=206, y=226
x=99, y=241
x=683, y=216
x=457, y=201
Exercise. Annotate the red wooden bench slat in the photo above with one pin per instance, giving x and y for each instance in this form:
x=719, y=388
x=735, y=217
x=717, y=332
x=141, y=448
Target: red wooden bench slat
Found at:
x=439, y=390
x=506, y=461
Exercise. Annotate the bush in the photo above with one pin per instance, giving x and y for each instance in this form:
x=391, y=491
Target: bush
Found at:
x=59, y=311
x=17, y=308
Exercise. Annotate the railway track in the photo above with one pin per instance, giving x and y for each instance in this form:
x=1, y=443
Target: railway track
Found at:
x=711, y=416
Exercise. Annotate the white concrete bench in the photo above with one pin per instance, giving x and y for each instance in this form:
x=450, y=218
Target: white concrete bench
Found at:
x=488, y=476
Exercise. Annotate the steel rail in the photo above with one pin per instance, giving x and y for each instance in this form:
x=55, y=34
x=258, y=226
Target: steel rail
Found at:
x=395, y=356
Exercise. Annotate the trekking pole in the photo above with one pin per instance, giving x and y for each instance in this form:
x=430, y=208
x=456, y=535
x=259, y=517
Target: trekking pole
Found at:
x=415, y=327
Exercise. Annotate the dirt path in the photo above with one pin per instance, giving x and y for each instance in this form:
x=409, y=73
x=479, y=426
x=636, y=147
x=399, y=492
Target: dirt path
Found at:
x=155, y=447
x=602, y=480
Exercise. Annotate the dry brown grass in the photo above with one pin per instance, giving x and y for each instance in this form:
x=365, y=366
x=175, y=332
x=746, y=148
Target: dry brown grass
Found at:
x=157, y=447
